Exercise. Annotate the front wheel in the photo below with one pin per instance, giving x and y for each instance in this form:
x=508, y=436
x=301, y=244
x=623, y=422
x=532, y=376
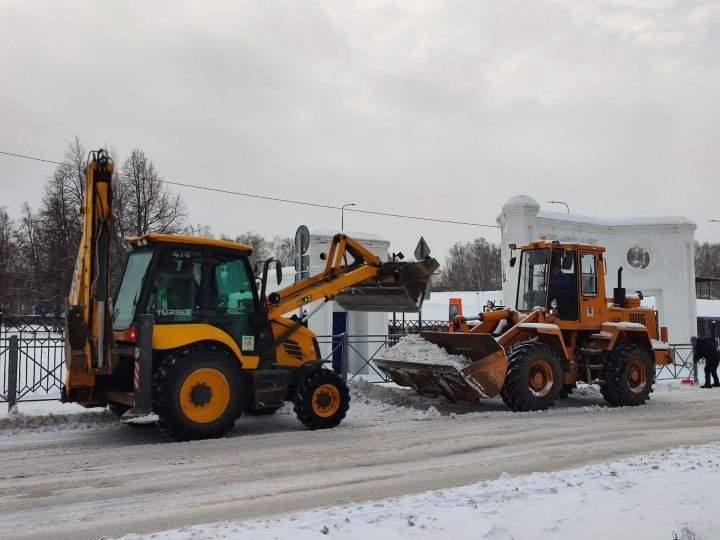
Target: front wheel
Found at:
x=533, y=379
x=629, y=376
x=196, y=394
x=322, y=400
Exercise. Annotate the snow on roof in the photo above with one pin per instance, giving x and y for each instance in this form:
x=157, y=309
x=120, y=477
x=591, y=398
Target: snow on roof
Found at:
x=708, y=309
x=616, y=222
x=355, y=235
x=521, y=200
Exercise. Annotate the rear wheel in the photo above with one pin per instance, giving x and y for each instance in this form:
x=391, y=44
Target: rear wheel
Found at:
x=629, y=376
x=533, y=379
x=322, y=400
x=196, y=394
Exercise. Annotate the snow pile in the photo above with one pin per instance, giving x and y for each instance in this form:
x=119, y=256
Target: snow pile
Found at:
x=362, y=390
x=415, y=349
x=16, y=419
x=619, y=499
x=430, y=414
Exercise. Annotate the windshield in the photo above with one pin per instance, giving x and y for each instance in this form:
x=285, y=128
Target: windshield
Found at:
x=128, y=293
x=533, y=279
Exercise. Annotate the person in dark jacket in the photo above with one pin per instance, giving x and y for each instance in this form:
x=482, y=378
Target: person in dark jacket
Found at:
x=707, y=348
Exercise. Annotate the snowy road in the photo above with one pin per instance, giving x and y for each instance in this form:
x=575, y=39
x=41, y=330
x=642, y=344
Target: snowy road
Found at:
x=89, y=480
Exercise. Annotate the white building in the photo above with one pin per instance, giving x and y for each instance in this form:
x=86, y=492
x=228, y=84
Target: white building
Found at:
x=656, y=253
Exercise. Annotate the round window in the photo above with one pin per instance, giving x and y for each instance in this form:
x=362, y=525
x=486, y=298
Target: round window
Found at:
x=638, y=257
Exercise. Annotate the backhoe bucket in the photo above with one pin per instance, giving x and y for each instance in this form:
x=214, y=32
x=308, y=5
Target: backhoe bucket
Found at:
x=399, y=286
x=481, y=377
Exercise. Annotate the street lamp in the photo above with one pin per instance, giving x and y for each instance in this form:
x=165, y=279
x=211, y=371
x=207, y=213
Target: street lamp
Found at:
x=342, y=215
x=560, y=202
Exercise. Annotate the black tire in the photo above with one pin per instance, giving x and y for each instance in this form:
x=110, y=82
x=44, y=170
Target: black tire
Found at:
x=183, y=368
x=312, y=395
x=532, y=363
x=262, y=412
x=629, y=376
x=566, y=390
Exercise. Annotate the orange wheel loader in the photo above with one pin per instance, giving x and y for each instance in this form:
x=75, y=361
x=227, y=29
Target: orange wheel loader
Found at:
x=563, y=329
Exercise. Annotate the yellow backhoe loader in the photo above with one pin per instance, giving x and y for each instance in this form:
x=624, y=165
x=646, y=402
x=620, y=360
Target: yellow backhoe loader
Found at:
x=562, y=330
x=191, y=339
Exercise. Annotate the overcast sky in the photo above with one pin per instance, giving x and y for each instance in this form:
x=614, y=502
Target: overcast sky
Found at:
x=440, y=109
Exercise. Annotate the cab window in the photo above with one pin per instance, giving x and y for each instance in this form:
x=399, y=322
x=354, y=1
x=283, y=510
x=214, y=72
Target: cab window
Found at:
x=589, y=274
x=177, y=289
x=130, y=288
x=233, y=304
x=533, y=279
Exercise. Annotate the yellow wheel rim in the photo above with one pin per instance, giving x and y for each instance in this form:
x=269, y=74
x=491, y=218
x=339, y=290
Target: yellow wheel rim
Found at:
x=204, y=395
x=326, y=400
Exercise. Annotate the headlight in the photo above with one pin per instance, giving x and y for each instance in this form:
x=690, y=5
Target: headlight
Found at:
x=554, y=304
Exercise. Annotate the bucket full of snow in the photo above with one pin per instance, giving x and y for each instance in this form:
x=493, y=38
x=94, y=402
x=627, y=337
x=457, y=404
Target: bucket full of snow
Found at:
x=461, y=367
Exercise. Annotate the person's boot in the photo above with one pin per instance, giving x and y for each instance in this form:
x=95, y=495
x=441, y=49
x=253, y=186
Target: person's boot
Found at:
x=706, y=385
x=716, y=384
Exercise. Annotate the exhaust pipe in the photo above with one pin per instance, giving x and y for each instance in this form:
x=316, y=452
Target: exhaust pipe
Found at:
x=619, y=291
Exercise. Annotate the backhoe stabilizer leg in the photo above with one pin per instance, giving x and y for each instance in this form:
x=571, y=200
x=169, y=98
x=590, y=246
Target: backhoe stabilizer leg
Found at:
x=141, y=411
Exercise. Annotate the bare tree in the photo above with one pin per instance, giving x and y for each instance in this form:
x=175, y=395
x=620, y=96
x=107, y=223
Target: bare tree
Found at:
x=143, y=203
x=261, y=248
x=707, y=264
x=200, y=230
x=282, y=248
x=8, y=257
x=473, y=266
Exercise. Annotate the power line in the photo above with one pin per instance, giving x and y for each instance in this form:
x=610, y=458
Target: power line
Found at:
x=276, y=199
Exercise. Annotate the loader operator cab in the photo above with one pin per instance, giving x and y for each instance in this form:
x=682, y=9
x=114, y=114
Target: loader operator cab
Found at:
x=548, y=279
x=189, y=283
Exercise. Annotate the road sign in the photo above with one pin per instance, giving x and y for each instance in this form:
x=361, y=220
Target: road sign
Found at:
x=302, y=239
x=422, y=250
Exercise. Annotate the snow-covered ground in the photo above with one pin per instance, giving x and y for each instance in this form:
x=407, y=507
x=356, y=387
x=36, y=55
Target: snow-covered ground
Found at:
x=662, y=495
x=81, y=474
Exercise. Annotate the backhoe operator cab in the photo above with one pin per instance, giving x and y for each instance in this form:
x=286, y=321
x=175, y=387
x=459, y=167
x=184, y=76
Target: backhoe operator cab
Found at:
x=190, y=283
x=563, y=280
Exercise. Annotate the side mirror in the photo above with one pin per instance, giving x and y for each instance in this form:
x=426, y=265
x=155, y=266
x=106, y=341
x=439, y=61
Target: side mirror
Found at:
x=323, y=256
x=513, y=260
x=278, y=272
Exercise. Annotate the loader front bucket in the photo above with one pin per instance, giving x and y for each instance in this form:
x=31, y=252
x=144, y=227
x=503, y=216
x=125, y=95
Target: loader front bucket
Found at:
x=481, y=375
x=399, y=286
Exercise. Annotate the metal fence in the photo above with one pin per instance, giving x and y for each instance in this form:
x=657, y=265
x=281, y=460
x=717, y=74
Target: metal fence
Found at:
x=32, y=366
x=32, y=356
x=682, y=368
x=403, y=328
